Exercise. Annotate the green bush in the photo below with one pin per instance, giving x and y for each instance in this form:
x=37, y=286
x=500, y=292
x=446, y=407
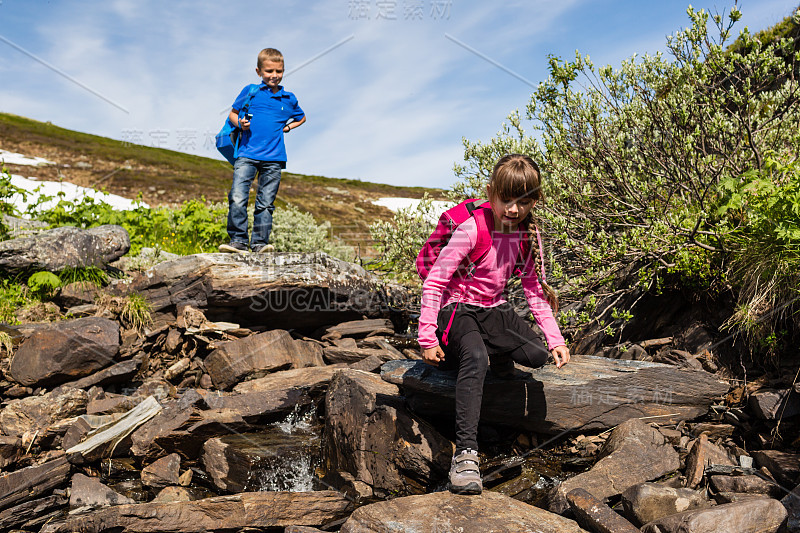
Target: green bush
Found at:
x=297, y=231
x=7, y=190
x=43, y=284
x=634, y=159
x=399, y=240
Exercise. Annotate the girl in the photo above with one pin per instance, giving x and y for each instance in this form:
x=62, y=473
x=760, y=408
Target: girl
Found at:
x=465, y=322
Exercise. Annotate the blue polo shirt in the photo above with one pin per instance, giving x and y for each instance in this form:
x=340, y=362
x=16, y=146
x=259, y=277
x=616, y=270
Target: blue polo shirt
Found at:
x=271, y=111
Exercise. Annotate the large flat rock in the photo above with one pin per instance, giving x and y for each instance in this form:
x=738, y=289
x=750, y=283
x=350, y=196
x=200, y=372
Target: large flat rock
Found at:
x=63, y=247
x=285, y=290
x=588, y=393
x=445, y=512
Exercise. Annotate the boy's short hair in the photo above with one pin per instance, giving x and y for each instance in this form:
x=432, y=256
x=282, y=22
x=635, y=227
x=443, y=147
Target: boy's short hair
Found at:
x=269, y=54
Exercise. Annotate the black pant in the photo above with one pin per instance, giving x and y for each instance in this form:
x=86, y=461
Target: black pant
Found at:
x=477, y=338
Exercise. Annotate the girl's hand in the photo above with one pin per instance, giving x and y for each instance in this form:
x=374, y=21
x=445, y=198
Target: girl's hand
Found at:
x=561, y=355
x=432, y=356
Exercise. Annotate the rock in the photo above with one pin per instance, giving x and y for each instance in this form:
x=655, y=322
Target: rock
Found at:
x=696, y=461
x=65, y=351
x=174, y=415
x=224, y=513
x=261, y=407
x=89, y=492
x=335, y=355
x=36, y=413
x=749, y=484
x=370, y=435
x=111, y=403
x=174, y=494
x=313, y=379
x=589, y=393
x=791, y=503
x=258, y=355
x=784, y=466
x=299, y=291
x=634, y=453
x=177, y=369
x=117, y=373
x=268, y=460
x=358, y=328
x=771, y=404
x=58, y=248
x=594, y=515
x=372, y=363
x=761, y=515
x=32, y=514
x=714, y=431
x=162, y=472
x=78, y=293
x=445, y=512
x=31, y=482
x=646, y=502
x=10, y=450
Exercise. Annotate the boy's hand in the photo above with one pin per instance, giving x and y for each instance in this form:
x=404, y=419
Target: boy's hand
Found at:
x=561, y=355
x=432, y=356
x=244, y=124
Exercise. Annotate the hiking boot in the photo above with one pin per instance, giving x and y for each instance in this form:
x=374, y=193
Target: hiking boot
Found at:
x=465, y=476
x=263, y=248
x=233, y=248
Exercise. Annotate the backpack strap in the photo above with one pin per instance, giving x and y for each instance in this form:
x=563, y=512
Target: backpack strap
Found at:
x=483, y=218
x=254, y=88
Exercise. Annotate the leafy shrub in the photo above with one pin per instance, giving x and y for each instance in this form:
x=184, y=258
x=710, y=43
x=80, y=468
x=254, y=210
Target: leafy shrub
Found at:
x=13, y=296
x=43, y=284
x=634, y=157
x=297, y=231
x=94, y=275
x=7, y=191
x=399, y=240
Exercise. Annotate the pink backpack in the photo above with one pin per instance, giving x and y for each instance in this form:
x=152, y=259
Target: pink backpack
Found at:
x=448, y=222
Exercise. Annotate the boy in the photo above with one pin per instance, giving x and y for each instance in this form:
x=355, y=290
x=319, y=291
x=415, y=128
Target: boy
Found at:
x=271, y=113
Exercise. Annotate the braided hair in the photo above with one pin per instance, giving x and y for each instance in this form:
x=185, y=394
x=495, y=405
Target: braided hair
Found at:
x=518, y=176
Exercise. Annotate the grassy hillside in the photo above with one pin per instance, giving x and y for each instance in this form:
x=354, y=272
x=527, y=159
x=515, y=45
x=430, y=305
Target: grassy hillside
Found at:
x=165, y=177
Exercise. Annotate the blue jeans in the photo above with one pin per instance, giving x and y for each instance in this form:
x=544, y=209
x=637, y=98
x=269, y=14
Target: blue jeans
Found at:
x=269, y=179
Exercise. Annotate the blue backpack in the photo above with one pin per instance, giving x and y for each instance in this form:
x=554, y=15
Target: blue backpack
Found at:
x=228, y=137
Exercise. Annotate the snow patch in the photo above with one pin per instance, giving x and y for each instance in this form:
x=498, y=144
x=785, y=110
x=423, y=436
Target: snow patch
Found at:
x=11, y=158
x=67, y=191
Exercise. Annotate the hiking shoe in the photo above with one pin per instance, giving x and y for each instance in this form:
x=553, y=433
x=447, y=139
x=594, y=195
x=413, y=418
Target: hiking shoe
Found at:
x=233, y=248
x=465, y=476
x=263, y=249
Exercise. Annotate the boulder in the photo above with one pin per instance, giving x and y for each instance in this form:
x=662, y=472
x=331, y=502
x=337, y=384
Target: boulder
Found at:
x=65, y=351
x=772, y=404
x=59, y=248
x=36, y=413
x=634, y=453
x=117, y=373
x=78, y=293
x=371, y=436
x=174, y=494
x=31, y=482
x=257, y=355
x=587, y=394
x=32, y=514
x=760, y=515
x=792, y=504
x=299, y=291
x=89, y=492
x=315, y=380
x=268, y=460
x=256, y=510
x=445, y=512
x=785, y=466
x=162, y=472
x=746, y=484
x=646, y=502
x=594, y=515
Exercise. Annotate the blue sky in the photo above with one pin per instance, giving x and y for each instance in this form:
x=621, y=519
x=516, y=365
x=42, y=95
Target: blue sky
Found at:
x=390, y=87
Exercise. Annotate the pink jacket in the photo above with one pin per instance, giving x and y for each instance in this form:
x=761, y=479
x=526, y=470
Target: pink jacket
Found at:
x=485, y=287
